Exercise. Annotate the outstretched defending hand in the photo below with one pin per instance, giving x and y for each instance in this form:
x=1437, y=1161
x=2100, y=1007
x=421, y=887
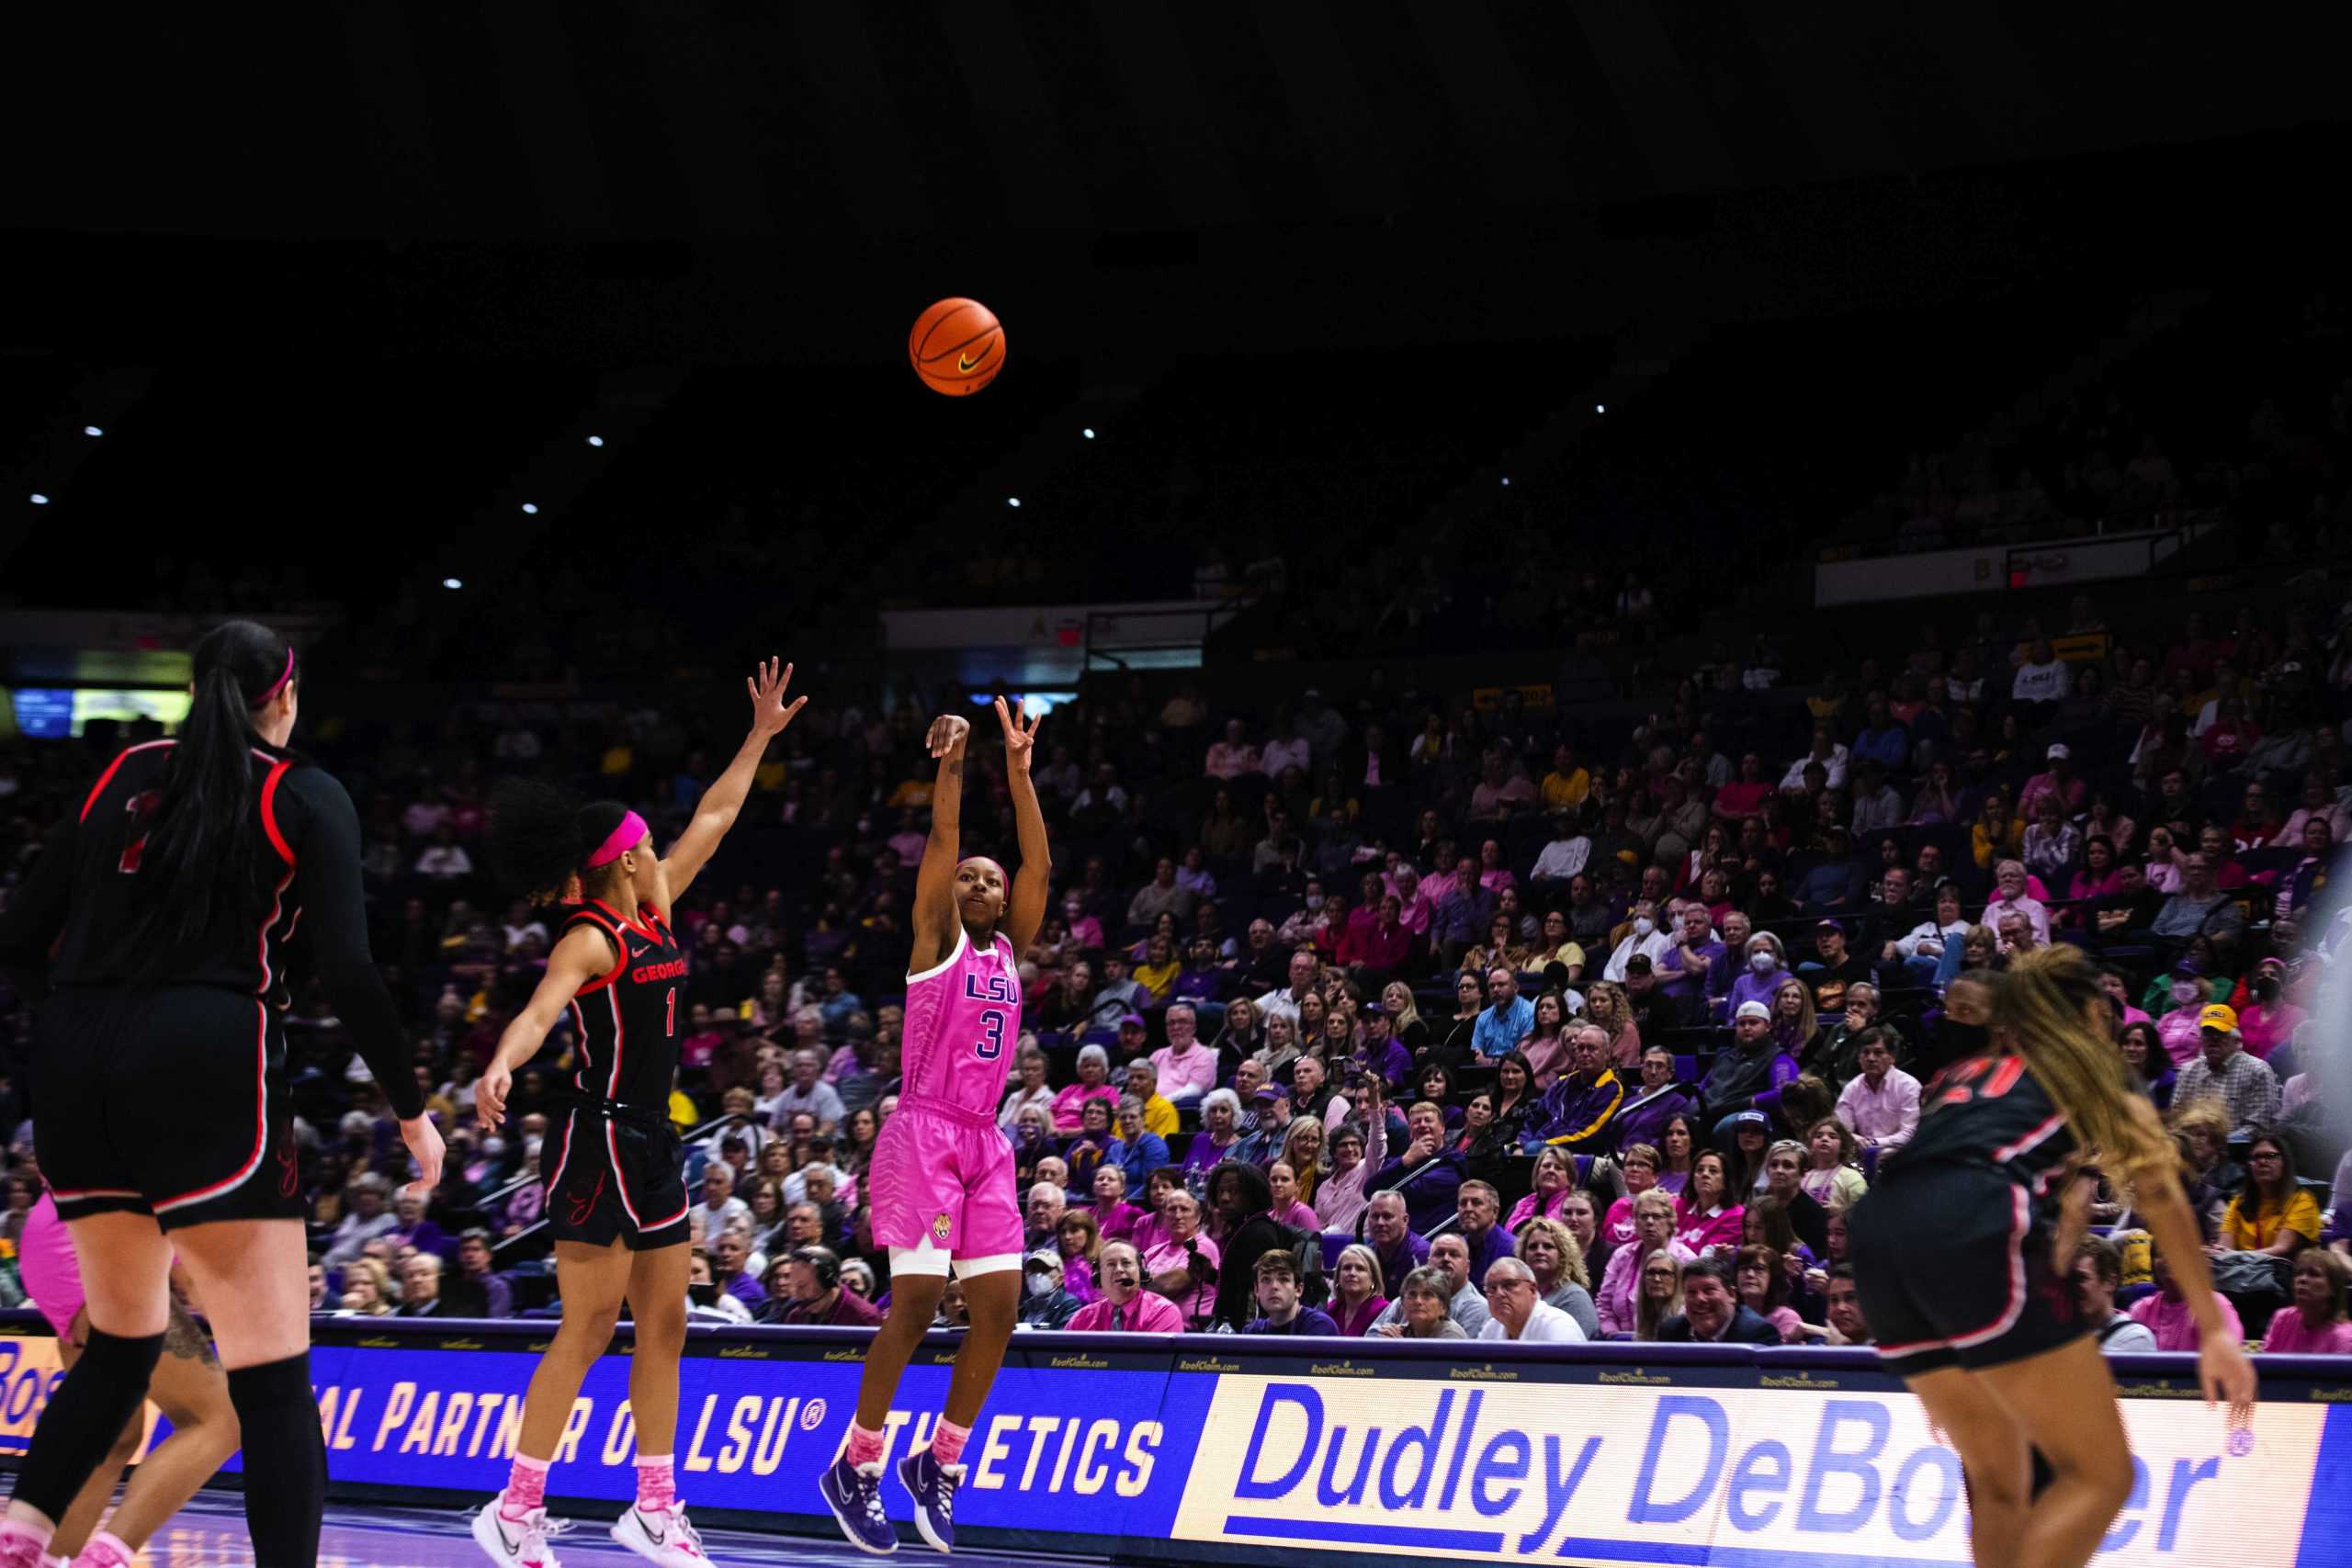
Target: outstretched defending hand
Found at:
x=770, y=712
x=947, y=736
x=1019, y=741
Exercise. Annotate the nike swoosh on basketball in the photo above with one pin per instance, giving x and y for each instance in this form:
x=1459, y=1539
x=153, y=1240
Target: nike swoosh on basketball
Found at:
x=964, y=362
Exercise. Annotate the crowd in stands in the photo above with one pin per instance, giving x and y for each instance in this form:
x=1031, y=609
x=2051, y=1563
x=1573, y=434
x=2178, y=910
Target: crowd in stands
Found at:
x=1407, y=1014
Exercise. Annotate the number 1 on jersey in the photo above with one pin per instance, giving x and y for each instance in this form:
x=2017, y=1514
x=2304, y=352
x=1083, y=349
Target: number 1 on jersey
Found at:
x=990, y=1045
x=669, y=1015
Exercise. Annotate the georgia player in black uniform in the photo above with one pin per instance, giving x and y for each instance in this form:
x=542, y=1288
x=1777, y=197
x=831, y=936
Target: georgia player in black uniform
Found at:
x=164, y=1122
x=615, y=1198
x=1963, y=1254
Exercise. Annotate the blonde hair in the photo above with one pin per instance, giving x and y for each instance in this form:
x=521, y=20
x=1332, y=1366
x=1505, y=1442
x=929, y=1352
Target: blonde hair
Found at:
x=1572, y=1264
x=1409, y=1014
x=1371, y=1260
x=2044, y=1001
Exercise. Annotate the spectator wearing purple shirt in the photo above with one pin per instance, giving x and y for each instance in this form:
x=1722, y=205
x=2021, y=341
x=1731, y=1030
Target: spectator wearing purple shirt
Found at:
x=1389, y=1231
x=1278, y=1298
x=1477, y=1206
x=1767, y=967
x=1644, y=1119
x=1683, y=971
x=1379, y=1054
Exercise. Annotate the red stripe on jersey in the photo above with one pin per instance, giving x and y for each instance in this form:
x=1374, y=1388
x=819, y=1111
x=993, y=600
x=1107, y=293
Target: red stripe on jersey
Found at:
x=269, y=808
x=261, y=1126
x=620, y=952
x=107, y=778
x=620, y=920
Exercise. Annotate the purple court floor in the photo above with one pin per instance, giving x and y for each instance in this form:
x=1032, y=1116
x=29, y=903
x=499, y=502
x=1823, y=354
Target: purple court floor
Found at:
x=210, y=1533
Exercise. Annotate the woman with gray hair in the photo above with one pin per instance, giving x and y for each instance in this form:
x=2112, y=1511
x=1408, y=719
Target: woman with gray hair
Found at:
x=1220, y=1130
x=1094, y=1083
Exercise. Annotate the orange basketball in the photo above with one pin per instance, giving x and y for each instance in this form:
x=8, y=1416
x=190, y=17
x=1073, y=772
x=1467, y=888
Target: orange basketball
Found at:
x=957, y=346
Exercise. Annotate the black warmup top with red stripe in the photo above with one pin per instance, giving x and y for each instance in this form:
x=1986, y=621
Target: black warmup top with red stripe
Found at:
x=74, y=908
x=629, y=1018
x=1987, y=1111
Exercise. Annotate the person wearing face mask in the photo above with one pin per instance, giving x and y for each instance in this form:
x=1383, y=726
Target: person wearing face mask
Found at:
x=1961, y=1031
x=2179, y=1027
x=1045, y=1303
x=2266, y=1019
x=1643, y=935
x=1766, y=970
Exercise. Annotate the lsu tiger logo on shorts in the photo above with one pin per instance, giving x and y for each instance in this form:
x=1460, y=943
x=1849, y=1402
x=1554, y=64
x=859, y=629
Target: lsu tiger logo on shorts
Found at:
x=943, y=1227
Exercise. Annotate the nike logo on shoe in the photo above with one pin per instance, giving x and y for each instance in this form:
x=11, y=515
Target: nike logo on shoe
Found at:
x=657, y=1537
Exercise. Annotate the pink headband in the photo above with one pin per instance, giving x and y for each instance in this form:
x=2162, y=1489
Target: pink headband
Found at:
x=625, y=838
x=279, y=684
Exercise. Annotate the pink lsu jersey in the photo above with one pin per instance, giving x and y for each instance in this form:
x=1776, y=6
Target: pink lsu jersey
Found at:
x=962, y=1019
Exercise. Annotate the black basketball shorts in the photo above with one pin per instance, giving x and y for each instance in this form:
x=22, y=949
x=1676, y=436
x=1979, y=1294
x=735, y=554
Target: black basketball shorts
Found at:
x=169, y=1102
x=1952, y=1265
x=614, y=1179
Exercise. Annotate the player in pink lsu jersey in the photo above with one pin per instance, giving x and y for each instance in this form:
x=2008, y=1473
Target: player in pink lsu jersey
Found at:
x=941, y=1182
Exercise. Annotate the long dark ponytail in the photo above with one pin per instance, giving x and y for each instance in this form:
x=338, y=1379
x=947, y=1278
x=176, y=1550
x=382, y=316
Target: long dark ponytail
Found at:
x=540, y=834
x=202, y=856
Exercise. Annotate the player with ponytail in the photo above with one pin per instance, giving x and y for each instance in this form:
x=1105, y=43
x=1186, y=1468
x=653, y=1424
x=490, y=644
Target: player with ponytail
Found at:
x=160, y=913
x=1963, y=1255
x=615, y=1194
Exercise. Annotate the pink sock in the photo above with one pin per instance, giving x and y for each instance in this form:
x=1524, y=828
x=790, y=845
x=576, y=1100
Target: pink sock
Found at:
x=657, y=1486
x=104, y=1542
x=864, y=1447
x=14, y=1536
x=947, y=1442
x=526, y=1487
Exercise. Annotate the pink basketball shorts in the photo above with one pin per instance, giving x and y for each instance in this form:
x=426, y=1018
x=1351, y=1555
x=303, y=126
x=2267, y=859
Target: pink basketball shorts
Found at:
x=942, y=1176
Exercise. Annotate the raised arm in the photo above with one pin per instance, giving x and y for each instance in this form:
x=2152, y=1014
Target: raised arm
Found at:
x=1026, y=912
x=936, y=920
x=715, y=812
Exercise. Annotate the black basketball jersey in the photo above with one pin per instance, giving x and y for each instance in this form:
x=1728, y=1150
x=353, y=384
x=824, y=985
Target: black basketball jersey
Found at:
x=1988, y=1111
x=244, y=949
x=629, y=1019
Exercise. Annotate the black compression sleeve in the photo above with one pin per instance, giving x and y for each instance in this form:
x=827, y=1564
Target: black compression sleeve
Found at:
x=36, y=913
x=327, y=875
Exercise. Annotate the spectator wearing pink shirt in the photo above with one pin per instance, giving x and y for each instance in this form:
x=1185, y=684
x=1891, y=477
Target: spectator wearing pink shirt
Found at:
x=1114, y=1215
x=1085, y=930
x=1233, y=757
x=2267, y=1019
x=2059, y=780
x=2318, y=801
x=1187, y=1069
x=1493, y=875
x=1126, y=1306
x=1654, y=1217
x=2167, y=1315
x=1184, y=1267
x=2315, y=1323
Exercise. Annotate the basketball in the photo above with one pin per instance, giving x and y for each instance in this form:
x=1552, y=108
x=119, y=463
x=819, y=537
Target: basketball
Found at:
x=957, y=346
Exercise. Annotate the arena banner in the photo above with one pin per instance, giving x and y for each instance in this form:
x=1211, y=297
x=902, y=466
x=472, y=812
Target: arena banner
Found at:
x=1481, y=1463
x=1227, y=1450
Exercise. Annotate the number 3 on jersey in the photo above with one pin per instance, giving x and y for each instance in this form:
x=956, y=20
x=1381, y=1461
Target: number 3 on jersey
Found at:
x=990, y=1044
